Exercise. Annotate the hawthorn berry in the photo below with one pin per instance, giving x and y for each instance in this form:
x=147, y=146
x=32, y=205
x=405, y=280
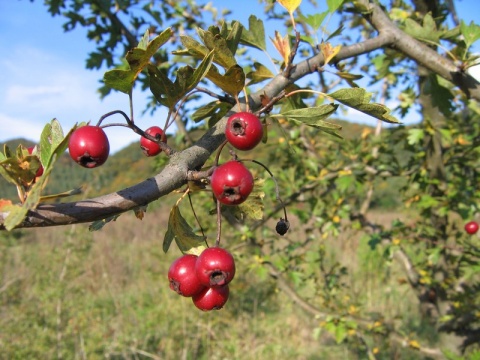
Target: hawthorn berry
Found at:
x=149, y=147
x=471, y=227
x=213, y=298
x=182, y=276
x=231, y=183
x=40, y=169
x=89, y=146
x=244, y=130
x=215, y=266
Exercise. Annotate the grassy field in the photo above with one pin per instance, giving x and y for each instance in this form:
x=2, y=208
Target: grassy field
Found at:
x=67, y=293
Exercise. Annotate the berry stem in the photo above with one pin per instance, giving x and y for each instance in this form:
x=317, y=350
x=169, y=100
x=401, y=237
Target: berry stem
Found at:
x=194, y=213
x=277, y=190
x=219, y=151
x=219, y=223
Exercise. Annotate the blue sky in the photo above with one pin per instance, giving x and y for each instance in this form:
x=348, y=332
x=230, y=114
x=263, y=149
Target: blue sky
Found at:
x=43, y=73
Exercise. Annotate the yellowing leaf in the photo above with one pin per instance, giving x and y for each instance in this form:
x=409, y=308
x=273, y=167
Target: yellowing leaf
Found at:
x=329, y=52
x=290, y=5
x=283, y=46
x=414, y=344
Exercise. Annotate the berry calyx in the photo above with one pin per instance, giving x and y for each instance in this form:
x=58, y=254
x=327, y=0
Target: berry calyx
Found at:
x=471, y=227
x=149, y=147
x=88, y=146
x=231, y=183
x=212, y=298
x=215, y=266
x=182, y=277
x=40, y=169
x=244, y=130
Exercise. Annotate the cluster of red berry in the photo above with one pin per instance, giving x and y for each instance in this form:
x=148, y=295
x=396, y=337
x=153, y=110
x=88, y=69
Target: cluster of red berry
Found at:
x=204, y=278
x=89, y=146
x=232, y=182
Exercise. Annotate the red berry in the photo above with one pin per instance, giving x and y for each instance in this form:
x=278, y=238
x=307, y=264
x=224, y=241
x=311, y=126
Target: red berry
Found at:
x=215, y=267
x=149, y=147
x=231, y=183
x=182, y=276
x=212, y=298
x=40, y=169
x=89, y=146
x=244, y=130
x=471, y=227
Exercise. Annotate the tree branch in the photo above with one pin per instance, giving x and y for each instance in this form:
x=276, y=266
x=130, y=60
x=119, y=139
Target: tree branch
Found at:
x=175, y=174
x=421, y=53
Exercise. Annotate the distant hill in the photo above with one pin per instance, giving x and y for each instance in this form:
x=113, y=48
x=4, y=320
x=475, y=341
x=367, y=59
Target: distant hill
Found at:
x=125, y=168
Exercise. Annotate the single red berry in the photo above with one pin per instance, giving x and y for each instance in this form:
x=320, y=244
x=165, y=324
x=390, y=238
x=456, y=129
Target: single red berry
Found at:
x=212, y=298
x=182, y=276
x=471, y=227
x=40, y=169
x=215, y=267
x=89, y=146
x=244, y=130
x=231, y=183
x=149, y=147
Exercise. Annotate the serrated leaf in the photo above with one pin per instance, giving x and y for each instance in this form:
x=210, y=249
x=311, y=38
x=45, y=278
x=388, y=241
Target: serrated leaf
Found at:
x=255, y=35
x=260, y=74
x=223, y=55
x=99, y=224
x=315, y=20
x=290, y=5
x=253, y=207
x=426, y=32
x=232, y=82
x=214, y=111
x=16, y=214
x=359, y=99
x=168, y=93
x=471, y=33
x=283, y=46
x=329, y=52
x=233, y=36
x=313, y=117
x=333, y=5
x=137, y=58
x=178, y=229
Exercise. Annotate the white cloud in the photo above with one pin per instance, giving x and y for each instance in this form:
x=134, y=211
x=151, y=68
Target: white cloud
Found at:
x=62, y=89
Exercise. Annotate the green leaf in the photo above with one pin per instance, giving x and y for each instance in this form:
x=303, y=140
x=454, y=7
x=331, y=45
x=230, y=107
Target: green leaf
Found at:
x=137, y=58
x=214, y=111
x=99, y=224
x=232, y=82
x=260, y=74
x=359, y=99
x=333, y=5
x=255, y=35
x=187, y=241
x=233, y=37
x=471, y=32
x=315, y=20
x=223, y=55
x=426, y=32
x=253, y=207
x=313, y=117
x=415, y=136
x=168, y=93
